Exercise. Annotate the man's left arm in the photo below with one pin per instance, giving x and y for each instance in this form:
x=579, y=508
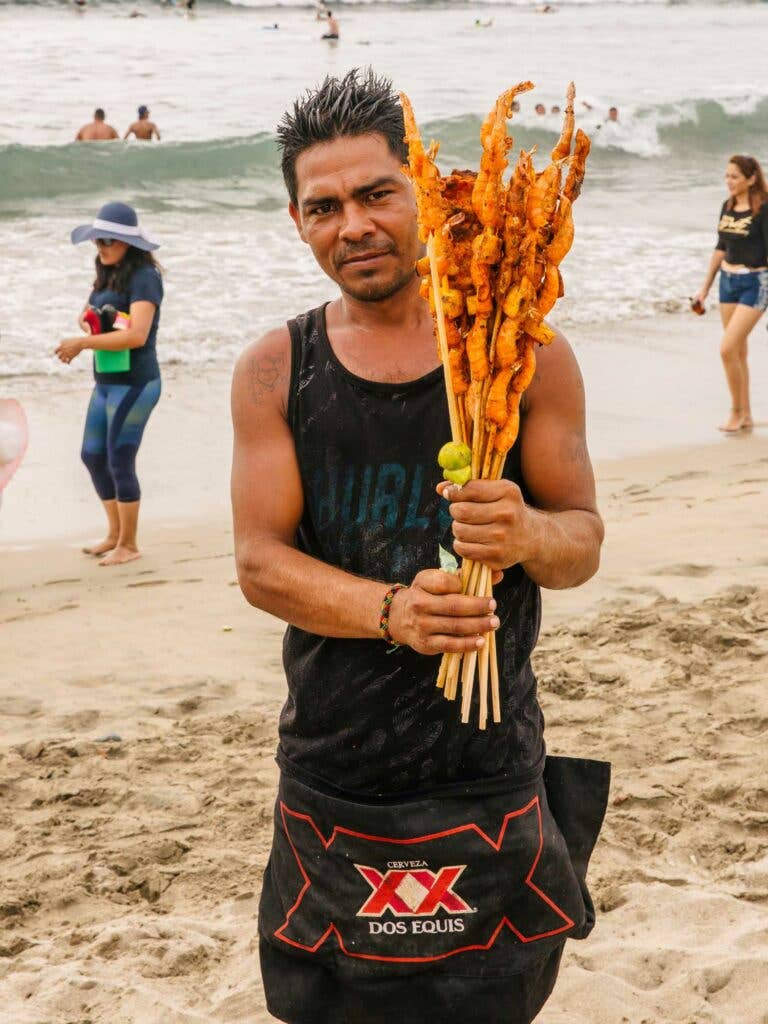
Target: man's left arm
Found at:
x=557, y=537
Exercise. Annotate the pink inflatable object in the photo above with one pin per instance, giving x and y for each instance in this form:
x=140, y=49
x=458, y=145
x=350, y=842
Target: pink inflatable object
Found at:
x=11, y=412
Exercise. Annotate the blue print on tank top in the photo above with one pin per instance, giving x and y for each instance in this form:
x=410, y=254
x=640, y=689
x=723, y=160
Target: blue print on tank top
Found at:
x=365, y=506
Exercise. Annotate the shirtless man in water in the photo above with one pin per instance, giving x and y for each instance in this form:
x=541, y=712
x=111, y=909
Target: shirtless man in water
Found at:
x=143, y=129
x=98, y=130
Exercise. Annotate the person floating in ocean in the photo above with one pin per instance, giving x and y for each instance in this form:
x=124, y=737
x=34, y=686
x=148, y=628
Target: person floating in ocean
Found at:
x=555, y=109
x=332, y=26
x=540, y=109
x=613, y=114
x=405, y=842
x=98, y=130
x=120, y=320
x=143, y=129
x=741, y=257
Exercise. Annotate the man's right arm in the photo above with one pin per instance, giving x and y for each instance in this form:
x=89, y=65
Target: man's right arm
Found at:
x=268, y=502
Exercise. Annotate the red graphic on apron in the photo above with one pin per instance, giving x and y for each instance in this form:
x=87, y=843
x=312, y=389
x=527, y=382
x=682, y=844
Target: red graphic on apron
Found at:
x=510, y=898
x=412, y=893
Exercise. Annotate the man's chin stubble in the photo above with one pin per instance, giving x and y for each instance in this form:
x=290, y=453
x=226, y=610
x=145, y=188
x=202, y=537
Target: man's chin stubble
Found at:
x=378, y=291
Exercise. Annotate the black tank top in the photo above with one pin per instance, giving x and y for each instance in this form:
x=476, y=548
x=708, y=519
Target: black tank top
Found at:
x=357, y=716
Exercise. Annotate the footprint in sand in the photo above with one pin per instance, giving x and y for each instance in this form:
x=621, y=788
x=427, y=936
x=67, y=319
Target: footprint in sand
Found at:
x=685, y=569
x=692, y=474
x=19, y=707
x=205, y=558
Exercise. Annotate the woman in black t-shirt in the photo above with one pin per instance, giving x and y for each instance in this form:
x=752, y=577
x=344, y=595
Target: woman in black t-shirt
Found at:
x=120, y=320
x=741, y=256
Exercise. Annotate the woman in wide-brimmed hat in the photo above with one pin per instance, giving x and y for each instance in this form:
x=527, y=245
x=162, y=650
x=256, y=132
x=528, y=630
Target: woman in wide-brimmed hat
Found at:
x=120, y=321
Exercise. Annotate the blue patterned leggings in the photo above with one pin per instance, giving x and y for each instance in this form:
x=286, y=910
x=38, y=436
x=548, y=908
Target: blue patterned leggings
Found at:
x=114, y=425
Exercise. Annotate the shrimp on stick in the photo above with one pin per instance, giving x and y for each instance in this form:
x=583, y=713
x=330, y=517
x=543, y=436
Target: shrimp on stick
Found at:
x=491, y=275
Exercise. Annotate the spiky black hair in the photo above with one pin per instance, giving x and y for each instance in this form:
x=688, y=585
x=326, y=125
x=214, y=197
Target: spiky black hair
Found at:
x=360, y=103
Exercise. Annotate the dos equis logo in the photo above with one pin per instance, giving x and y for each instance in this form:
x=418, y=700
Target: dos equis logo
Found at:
x=461, y=888
x=411, y=889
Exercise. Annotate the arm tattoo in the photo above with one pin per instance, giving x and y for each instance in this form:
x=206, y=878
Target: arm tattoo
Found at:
x=575, y=450
x=266, y=374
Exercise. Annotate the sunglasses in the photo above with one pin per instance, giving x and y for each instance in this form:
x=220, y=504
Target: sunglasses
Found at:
x=104, y=243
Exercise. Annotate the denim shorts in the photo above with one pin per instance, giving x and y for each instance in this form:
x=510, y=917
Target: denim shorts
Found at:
x=748, y=289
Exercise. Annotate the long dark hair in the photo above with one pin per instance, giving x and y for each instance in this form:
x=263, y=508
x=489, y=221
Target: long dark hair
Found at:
x=758, y=193
x=118, y=277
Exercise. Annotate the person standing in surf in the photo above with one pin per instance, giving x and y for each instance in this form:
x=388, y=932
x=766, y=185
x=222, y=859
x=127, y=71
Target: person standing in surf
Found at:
x=121, y=320
x=98, y=130
x=144, y=129
x=420, y=869
x=741, y=257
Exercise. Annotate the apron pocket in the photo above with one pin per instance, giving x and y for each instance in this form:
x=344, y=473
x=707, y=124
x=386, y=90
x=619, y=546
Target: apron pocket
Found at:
x=476, y=880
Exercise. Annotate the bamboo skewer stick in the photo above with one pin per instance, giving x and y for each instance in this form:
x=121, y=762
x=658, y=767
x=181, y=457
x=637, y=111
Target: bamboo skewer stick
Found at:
x=453, y=411
x=485, y=590
x=467, y=684
x=452, y=682
x=495, y=697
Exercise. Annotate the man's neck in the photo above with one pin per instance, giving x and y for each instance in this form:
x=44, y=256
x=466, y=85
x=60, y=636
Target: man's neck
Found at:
x=400, y=311
x=390, y=340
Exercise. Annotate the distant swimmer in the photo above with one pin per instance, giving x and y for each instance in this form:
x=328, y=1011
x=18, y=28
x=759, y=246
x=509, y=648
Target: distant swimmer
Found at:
x=483, y=24
x=540, y=109
x=555, y=110
x=143, y=129
x=613, y=114
x=98, y=130
x=80, y=5
x=332, y=26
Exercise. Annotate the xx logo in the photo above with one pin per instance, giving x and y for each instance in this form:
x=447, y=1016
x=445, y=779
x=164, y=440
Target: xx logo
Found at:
x=412, y=893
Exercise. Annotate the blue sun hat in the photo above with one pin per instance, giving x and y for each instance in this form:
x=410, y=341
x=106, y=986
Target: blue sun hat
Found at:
x=116, y=220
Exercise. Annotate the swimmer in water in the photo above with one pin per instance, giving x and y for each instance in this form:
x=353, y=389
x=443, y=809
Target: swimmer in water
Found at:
x=143, y=129
x=540, y=109
x=483, y=24
x=98, y=130
x=332, y=25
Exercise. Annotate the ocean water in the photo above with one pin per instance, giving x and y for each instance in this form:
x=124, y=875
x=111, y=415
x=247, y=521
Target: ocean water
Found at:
x=688, y=79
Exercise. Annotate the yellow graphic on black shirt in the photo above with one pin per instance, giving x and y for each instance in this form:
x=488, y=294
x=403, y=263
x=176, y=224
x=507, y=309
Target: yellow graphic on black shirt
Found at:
x=735, y=225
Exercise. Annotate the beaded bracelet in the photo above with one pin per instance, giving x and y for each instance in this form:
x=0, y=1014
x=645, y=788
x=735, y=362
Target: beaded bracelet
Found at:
x=384, y=633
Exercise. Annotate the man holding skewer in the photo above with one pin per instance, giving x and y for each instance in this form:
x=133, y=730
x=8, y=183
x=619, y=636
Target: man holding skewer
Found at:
x=420, y=867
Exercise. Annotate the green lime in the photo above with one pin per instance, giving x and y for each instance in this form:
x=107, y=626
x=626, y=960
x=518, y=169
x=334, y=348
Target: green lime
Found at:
x=458, y=476
x=454, y=455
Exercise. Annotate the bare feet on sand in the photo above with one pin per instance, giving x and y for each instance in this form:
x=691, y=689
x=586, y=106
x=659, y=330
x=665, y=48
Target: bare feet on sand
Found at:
x=119, y=555
x=736, y=421
x=102, y=548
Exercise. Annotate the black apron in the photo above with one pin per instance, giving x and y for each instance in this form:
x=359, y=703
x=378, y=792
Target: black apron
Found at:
x=418, y=864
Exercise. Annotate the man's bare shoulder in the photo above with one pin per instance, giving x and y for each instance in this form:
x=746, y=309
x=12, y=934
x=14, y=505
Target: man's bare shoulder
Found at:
x=557, y=373
x=262, y=372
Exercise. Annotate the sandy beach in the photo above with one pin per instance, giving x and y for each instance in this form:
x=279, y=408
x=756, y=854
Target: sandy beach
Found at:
x=138, y=712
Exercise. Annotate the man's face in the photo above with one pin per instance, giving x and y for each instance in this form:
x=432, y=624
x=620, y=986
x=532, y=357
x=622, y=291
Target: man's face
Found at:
x=357, y=212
